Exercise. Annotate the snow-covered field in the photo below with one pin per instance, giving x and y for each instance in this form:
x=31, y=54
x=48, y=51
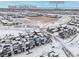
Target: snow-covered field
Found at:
x=63, y=47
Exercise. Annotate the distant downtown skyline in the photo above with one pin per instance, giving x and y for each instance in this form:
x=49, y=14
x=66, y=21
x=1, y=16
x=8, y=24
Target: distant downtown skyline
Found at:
x=41, y=4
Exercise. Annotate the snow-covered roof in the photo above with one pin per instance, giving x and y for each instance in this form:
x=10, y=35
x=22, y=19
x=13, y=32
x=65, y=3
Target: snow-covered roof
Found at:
x=4, y=21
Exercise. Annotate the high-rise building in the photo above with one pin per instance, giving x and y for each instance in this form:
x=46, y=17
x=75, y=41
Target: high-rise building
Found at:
x=22, y=7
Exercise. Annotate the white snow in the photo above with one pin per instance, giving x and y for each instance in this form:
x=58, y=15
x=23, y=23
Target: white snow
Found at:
x=72, y=46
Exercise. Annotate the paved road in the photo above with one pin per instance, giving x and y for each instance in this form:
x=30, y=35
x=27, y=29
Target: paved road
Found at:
x=66, y=51
x=73, y=38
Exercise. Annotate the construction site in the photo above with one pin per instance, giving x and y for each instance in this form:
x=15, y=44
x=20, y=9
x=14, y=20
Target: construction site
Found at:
x=35, y=32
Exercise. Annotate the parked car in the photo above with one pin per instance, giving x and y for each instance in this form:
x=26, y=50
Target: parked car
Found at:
x=5, y=50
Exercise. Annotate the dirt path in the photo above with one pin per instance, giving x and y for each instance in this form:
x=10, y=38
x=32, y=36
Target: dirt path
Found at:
x=43, y=19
